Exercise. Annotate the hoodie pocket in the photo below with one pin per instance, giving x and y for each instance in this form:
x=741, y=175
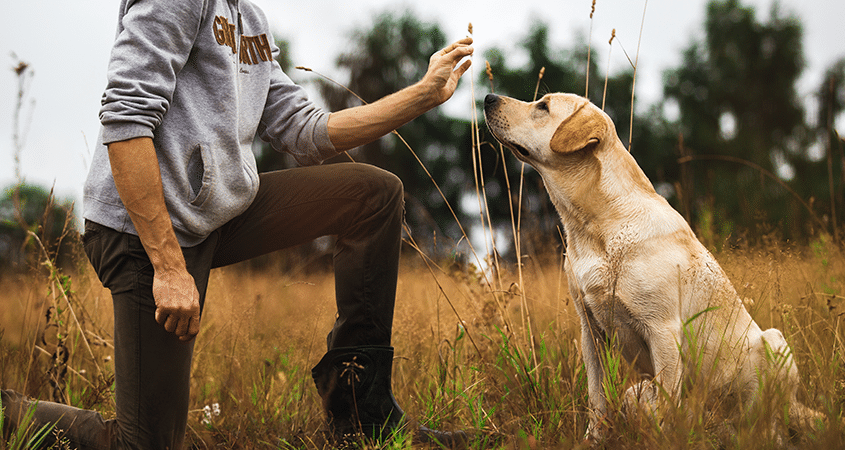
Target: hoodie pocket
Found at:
x=199, y=178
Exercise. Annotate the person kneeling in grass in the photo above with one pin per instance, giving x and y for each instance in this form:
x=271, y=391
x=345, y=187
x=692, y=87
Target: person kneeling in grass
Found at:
x=173, y=192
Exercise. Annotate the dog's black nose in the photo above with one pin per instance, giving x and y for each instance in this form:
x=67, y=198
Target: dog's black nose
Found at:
x=491, y=100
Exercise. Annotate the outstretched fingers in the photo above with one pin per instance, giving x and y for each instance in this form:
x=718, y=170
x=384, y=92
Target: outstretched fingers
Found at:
x=461, y=44
x=456, y=51
x=445, y=68
x=459, y=72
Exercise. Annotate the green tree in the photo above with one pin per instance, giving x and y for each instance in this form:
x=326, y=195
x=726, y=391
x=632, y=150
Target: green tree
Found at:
x=737, y=99
x=34, y=210
x=822, y=167
x=831, y=93
x=390, y=55
x=387, y=56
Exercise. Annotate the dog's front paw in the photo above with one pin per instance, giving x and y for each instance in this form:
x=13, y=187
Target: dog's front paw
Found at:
x=641, y=397
x=597, y=431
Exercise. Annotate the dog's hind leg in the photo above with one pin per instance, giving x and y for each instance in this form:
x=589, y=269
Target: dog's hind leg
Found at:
x=771, y=358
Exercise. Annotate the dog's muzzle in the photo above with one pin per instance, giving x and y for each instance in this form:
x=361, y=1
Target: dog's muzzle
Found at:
x=499, y=125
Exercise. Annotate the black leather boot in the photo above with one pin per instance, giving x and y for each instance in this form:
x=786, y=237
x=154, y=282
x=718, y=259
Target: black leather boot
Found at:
x=355, y=386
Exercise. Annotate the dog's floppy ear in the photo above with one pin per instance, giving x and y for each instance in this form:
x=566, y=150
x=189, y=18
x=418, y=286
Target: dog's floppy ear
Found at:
x=583, y=128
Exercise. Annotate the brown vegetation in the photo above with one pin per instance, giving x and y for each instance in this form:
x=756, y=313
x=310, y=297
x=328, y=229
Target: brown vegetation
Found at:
x=463, y=355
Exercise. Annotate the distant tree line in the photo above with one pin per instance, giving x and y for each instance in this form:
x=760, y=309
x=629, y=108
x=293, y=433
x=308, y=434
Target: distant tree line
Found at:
x=739, y=157
x=28, y=212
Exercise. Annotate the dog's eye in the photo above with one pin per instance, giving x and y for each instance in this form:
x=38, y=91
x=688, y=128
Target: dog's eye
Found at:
x=543, y=106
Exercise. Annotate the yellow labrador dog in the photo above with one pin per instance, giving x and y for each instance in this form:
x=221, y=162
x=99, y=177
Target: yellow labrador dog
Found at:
x=636, y=271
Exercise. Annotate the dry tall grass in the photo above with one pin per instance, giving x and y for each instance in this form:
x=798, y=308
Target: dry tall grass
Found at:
x=497, y=352
x=462, y=356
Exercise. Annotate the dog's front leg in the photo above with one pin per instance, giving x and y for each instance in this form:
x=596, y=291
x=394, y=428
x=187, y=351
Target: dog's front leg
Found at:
x=665, y=346
x=648, y=396
x=593, y=346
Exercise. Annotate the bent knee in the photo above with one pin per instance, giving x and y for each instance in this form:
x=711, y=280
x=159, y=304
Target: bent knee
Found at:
x=379, y=187
x=775, y=344
x=772, y=352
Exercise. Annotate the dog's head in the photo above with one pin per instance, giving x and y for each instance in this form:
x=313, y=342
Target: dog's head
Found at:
x=574, y=146
x=557, y=124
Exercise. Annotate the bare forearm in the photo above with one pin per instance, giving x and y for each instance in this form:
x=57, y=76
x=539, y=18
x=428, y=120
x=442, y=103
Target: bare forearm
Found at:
x=137, y=176
x=350, y=128
x=138, y=179
x=357, y=126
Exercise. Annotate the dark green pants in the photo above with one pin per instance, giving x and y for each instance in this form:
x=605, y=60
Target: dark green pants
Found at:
x=359, y=204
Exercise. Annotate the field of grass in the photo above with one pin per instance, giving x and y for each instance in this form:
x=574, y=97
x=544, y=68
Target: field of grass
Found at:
x=472, y=351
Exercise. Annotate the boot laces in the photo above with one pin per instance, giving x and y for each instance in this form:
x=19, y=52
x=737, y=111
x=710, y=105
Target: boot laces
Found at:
x=350, y=371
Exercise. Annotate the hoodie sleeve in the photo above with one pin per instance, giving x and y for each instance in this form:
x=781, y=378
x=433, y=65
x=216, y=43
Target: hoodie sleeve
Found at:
x=154, y=39
x=291, y=123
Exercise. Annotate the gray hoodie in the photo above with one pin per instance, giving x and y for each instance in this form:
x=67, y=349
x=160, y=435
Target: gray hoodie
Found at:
x=200, y=78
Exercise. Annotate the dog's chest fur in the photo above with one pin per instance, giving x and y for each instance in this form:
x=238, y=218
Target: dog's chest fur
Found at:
x=606, y=281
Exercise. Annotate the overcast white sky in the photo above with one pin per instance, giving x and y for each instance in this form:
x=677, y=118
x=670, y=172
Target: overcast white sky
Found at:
x=67, y=44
